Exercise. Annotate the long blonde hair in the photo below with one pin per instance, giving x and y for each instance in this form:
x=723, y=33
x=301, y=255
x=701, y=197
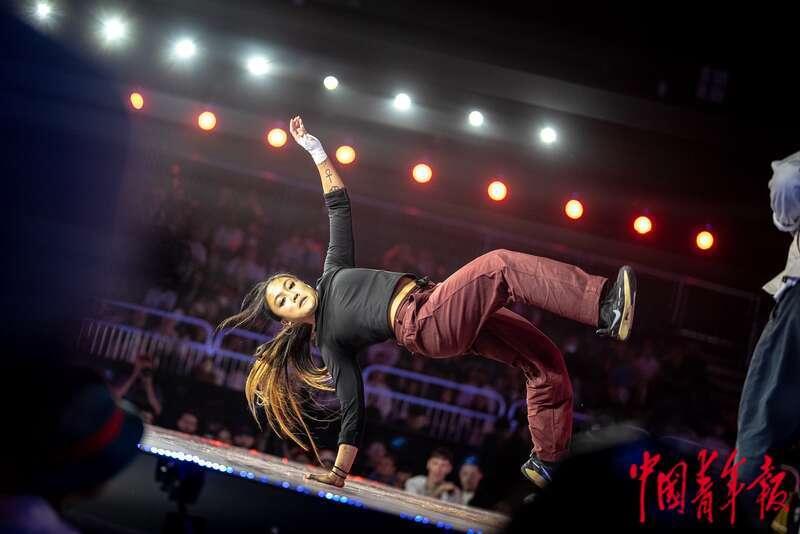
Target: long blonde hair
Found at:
x=269, y=384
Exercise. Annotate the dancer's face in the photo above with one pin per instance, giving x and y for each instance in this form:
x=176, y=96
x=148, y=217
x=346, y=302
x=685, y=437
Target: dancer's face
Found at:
x=291, y=299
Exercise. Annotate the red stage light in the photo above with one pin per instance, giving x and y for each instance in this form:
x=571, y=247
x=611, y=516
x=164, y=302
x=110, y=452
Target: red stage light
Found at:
x=643, y=225
x=422, y=173
x=497, y=190
x=574, y=209
x=705, y=240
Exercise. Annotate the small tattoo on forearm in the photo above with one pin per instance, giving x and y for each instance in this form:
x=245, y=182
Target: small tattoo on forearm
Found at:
x=328, y=174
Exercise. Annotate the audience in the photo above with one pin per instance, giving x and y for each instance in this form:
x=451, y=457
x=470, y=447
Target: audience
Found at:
x=139, y=389
x=230, y=244
x=470, y=476
x=440, y=464
x=187, y=423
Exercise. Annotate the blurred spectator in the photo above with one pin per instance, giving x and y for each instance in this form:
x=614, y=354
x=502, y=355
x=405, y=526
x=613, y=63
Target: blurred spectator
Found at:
x=236, y=378
x=228, y=239
x=374, y=452
x=439, y=465
x=385, y=471
x=168, y=326
x=207, y=372
x=466, y=398
x=470, y=476
x=290, y=255
x=188, y=423
x=417, y=420
x=244, y=437
x=244, y=271
x=224, y=435
x=160, y=297
x=380, y=398
x=139, y=387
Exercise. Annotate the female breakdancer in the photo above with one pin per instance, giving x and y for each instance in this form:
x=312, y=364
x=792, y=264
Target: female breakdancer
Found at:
x=352, y=307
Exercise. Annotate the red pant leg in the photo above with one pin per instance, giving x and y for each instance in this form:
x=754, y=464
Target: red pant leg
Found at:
x=513, y=340
x=456, y=309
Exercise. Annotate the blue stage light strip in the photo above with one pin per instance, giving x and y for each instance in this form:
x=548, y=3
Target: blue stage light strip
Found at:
x=341, y=499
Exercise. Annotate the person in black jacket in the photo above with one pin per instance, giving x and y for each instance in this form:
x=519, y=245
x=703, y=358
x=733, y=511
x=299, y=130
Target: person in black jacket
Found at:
x=353, y=307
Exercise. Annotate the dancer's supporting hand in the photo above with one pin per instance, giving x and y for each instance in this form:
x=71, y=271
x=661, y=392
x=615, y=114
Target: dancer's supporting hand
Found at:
x=326, y=478
x=310, y=143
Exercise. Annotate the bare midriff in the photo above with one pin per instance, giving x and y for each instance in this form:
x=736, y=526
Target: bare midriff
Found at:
x=404, y=286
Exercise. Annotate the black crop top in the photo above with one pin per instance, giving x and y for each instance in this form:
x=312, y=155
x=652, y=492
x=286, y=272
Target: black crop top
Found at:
x=352, y=313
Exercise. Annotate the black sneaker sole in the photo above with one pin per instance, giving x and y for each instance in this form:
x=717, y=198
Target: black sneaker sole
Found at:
x=623, y=330
x=534, y=476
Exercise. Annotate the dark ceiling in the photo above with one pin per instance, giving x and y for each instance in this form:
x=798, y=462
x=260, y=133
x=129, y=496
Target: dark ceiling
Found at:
x=622, y=83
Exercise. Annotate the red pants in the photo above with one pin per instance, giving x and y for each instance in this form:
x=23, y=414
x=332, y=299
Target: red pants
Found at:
x=466, y=313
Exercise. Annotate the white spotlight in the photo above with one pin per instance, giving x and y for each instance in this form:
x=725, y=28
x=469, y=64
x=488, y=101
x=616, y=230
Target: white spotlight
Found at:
x=330, y=83
x=185, y=49
x=113, y=29
x=548, y=135
x=402, y=101
x=43, y=10
x=476, y=118
x=258, y=65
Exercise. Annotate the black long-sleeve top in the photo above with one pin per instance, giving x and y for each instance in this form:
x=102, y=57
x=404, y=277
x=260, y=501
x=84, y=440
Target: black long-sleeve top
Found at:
x=352, y=313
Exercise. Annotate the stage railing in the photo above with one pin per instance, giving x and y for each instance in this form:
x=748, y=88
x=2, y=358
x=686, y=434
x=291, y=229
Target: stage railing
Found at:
x=113, y=339
x=444, y=421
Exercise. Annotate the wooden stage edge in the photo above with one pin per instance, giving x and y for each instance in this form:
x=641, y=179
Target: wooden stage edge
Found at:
x=357, y=492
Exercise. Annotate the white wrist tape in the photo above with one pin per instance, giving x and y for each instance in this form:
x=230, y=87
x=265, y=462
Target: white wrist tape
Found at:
x=313, y=147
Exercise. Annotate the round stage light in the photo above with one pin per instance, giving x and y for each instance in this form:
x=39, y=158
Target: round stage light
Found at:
x=422, y=173
x=330, y=83
x=345, y=155
x=277, y=137
x=137, y=101
x=185, y=48
x=574, y=209
x=704, y=240
x=475, y=118
x=257, y=65
x=207, y=121
x=43, y=10
x=548, y=135
x=113, y=30
x=497, y=190
x=643, y=225
x=402, y=102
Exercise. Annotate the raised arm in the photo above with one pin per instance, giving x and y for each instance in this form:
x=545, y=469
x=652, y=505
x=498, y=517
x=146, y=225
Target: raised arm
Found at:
x=341, y=245
x=331, y=180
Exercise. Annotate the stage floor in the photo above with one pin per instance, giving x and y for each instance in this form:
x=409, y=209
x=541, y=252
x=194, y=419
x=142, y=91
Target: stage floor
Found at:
x=358, y=492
